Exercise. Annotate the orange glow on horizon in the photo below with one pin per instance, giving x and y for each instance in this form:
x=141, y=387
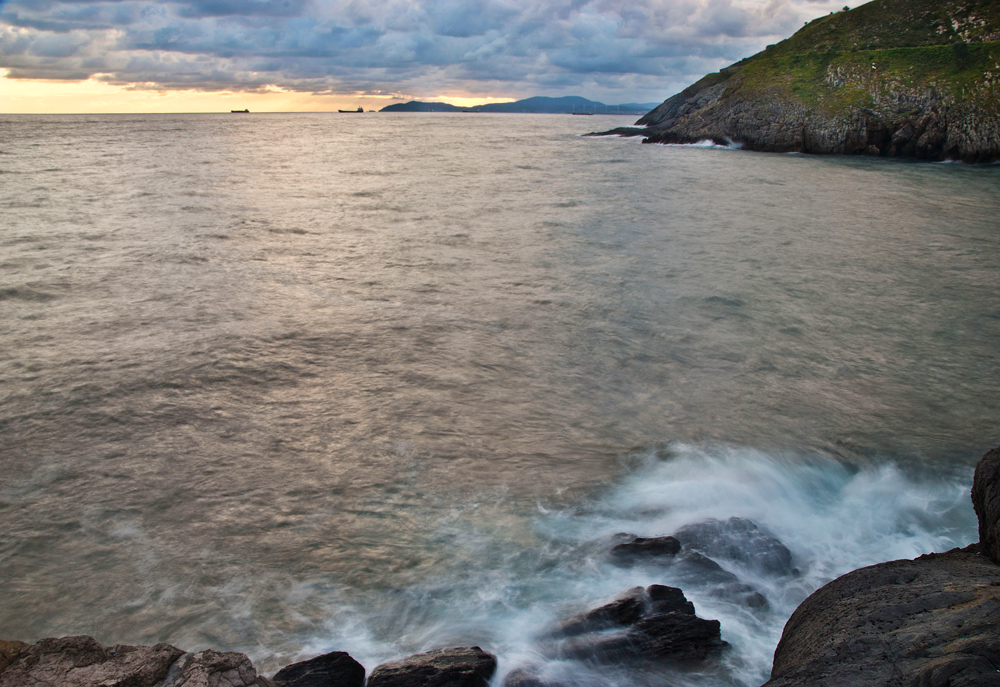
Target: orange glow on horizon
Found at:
x=22, y=96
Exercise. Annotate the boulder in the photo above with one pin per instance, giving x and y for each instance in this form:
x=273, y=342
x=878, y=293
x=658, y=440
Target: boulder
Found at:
x=455, y=667
x=335, y=669
x=933, y=621
x=644, y=548
x=986, y=501
x=741, y=541
x=81, y=661
x=718, y=582
x=666, y=629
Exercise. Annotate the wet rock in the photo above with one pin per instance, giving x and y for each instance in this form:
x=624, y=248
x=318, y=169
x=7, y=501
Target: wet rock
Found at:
x=664, y=599
x=933, y=621
x=81, y=661
x=625, y=610
x=335, y=669
x=667, y=629
x=678, y=636
x=718, y=582
x=986, y=501
x=644, y=548
x=741, y=541
x=456, y=667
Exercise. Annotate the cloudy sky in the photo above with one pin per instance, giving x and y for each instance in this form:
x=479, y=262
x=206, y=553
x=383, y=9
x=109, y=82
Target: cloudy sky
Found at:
x=380, y=51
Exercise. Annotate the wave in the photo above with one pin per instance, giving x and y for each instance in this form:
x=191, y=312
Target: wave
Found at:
x=508, y=584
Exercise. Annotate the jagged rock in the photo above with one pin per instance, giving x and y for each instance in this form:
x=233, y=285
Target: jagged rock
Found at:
x=720, y=583
x=667, y=628
x=212, y=668
x=456, y=667
x=642, y=548
x=741, y=541
x=986, y=501
x=931, y=621
x=81, y=661
x=625, y=610
x=335, y=669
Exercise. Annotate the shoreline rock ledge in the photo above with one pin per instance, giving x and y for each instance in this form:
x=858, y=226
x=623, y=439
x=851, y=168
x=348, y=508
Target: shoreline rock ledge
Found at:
x=933, y=621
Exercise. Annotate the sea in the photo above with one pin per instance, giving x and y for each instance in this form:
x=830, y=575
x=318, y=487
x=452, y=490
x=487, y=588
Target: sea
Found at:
x=293, y=383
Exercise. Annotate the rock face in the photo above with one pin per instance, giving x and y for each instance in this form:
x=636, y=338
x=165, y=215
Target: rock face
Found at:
x=83, y=662
x=933, y=621
x=986, y=501
x=892, y=78
x=335, y=669
x=457, y=667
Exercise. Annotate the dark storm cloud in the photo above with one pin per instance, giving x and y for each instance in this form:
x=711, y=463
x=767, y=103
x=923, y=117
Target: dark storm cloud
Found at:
x=638, y=49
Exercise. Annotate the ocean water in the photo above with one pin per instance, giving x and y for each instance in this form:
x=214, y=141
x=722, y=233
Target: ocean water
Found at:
x=286, y=384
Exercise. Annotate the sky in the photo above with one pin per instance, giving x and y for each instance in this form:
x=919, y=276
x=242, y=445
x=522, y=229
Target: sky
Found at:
x=315, y=55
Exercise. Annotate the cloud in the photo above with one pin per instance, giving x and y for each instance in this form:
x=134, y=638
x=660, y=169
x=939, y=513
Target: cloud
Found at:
x=617, y=49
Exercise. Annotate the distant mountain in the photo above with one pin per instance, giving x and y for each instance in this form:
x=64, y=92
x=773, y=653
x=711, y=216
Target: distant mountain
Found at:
x=894, y=78
x=537, y=105
x=417, y=106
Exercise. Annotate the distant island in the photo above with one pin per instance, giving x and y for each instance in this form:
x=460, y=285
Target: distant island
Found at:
x=892, y=78
x=570, y=104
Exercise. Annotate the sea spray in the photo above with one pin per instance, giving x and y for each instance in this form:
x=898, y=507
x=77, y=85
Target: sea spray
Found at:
x=509, y=582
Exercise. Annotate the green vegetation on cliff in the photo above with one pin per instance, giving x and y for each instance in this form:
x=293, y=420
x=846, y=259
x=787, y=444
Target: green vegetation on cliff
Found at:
x=871, y=80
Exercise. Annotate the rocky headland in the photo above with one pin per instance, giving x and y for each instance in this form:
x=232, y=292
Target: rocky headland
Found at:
x=892, y=78
x=933, y=621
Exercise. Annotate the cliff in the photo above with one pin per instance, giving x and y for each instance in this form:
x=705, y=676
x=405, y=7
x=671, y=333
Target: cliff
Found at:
x=896, y=78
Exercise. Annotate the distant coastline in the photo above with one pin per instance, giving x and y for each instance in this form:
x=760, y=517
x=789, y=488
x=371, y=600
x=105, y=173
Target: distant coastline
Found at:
x=570, y=104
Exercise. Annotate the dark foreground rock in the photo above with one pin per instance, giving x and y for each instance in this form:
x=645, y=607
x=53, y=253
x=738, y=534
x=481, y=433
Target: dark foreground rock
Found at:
x=929, y=622
x=456, y=667
x=335, y=669
x=657, y=623
x=986, y=501
x=83, y=662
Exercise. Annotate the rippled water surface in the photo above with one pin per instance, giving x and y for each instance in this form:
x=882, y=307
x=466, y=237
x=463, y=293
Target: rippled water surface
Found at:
x=292, y=383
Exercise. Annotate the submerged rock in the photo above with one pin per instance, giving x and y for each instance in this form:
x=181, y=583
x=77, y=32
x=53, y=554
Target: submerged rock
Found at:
x=741, y=541
x=525, y=678
x=456, y=667
x=644, y=548
x=335, y=669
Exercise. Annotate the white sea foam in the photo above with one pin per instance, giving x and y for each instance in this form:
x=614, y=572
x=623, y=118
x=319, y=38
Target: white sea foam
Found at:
x=502, y=592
